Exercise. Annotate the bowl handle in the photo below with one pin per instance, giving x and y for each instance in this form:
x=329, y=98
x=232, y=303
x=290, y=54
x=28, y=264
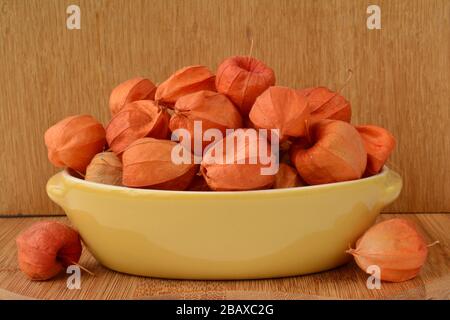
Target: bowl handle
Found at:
x=56, y=189
x=393, y=186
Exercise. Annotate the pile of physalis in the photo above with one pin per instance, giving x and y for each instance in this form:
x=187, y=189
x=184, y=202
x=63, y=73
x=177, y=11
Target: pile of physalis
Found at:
x=202, y=118
x=180, y=134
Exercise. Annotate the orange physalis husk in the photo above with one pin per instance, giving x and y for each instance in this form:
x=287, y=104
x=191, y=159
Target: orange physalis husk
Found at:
x=326, y=104
x=105, y=168
x=185, y=81
x=47, y=248
x=74, y=141
x=213, y=109
x=286, y=177
x=281, y=108
x=243, y=79
x=148, y=163
x=242, y=169
x=131, y=90
x=137, y=120
x=379, y=144
x=334, y=153
x=395, y=246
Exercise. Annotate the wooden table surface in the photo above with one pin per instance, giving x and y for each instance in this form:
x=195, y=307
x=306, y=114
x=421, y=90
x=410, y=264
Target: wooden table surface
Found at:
x=347, y=282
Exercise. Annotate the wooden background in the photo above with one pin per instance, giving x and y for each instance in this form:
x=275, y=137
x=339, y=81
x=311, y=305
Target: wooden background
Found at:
x=401, y=72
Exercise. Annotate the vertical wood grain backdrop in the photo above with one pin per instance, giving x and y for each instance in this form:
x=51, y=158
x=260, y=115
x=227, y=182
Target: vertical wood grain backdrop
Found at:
x=401, y=72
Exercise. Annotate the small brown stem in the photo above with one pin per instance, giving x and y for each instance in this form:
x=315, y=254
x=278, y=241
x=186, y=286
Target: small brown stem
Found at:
x=83, y=268
x=249, y=63
x=251, y=49
x=351, y=250
x=81, y=174
x=349, y=77
x=433, y=244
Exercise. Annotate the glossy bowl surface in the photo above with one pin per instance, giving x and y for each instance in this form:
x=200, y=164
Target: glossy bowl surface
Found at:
x=223, y=235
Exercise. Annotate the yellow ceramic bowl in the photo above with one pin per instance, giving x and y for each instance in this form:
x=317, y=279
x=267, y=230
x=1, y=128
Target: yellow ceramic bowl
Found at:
x=223, y=235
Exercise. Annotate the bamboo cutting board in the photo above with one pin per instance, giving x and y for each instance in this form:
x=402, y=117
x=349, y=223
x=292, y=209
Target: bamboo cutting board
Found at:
x=401, y=72
x=347, y=282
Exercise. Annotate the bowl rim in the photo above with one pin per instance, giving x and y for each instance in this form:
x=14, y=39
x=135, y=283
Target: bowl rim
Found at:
x=105, y=187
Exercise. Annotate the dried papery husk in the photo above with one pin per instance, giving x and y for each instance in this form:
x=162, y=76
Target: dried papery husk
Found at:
x=199, y=184
x=147, y=163
x=151, y=95
x=74, y=141
x=181, y=183
x=243, y=79
x=47, y=248
x=335, y=153
x=281, y=108
x=214, y=110
x=379, y=144
x=239, y=173
x=131, y=90
x=138, y=119
x=326, y=104
x=286, y=177
x=105, y=168
x=185, y=81
x=395, y=246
